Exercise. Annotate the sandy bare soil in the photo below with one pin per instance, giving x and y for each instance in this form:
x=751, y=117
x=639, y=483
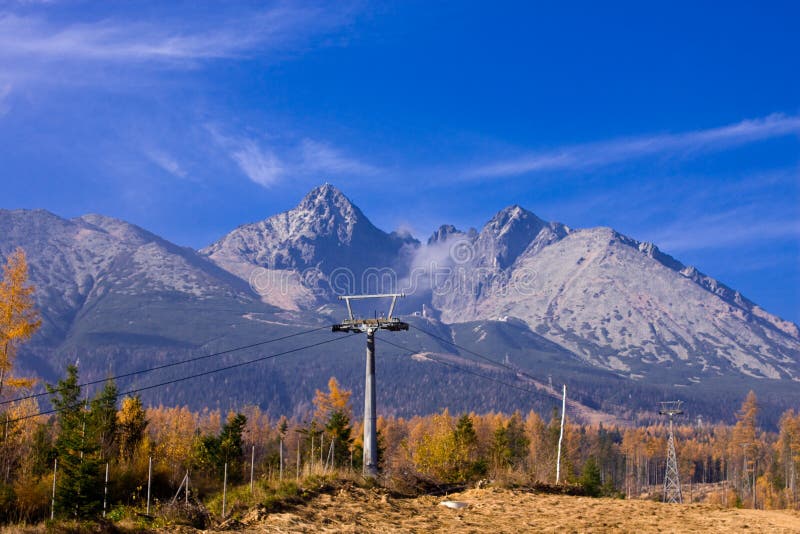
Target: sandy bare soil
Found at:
x=500, y=510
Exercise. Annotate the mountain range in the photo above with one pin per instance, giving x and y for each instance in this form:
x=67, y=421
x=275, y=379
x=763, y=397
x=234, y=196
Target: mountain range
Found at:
x=619, y=321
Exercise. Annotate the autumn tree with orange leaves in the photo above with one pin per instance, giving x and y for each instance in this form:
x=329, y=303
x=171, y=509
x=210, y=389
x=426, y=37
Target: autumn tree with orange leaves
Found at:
x=19, y=319
x=334, y=414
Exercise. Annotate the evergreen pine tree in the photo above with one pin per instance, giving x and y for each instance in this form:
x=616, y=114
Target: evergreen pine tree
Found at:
x=339, y=431
x=465, y=449
x=510, y=445
x=43, y=451
x=230, y=446
x=103, y=420
x=590, y=479
x=78, y=483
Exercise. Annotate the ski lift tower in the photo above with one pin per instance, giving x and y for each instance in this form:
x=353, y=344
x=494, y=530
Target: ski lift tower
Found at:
x=369, y=326
x=672, y=483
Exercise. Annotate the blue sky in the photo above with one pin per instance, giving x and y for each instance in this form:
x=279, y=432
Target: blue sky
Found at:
x=677, y=123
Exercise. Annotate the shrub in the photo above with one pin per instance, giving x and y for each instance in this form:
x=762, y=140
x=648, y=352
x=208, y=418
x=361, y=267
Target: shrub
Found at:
x=590, y=479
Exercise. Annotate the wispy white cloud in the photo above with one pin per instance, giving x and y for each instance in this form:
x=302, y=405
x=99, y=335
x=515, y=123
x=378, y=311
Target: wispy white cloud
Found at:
x=268, y=163
x=687, y=213
x=321, y=157
x=169, y=40
x=724, y=230
x=261, y=165
x=749, y=210
x=167, y=162
x=593, y=155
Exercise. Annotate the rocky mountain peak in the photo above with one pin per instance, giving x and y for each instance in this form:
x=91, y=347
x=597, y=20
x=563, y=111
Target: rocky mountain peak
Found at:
x=10, y=219
x=511, y=217
x=442, y=233
x=324, y=232
x=326, y=211
x=618, y=305
x=326, y=195
x=507, y=235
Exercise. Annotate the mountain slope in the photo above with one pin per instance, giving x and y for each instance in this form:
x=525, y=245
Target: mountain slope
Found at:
x=625, y=306
x=290, y=257
x=101, y=281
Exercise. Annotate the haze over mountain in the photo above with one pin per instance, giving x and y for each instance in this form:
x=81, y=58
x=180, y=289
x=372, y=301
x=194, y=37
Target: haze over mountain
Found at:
x=616, y=319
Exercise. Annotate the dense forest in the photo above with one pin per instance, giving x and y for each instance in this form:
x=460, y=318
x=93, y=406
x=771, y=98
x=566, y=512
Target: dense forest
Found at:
x=57, y=464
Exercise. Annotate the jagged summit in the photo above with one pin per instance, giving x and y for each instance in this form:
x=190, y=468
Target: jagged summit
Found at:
x=324, y=232
x=511, y=215
x=443, y=233
x=325, y=194
x=510, y=233
x=326, y=199
x=326, y=211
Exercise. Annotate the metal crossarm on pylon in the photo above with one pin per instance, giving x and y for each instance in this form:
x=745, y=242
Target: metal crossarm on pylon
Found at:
x=356, y=324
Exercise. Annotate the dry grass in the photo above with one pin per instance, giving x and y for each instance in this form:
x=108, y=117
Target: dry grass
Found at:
x=326, y=505
x=353, y=509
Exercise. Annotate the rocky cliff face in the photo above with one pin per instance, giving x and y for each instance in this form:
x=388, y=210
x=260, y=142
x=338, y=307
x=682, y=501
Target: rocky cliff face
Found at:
x=618, y=303
x=300, y=255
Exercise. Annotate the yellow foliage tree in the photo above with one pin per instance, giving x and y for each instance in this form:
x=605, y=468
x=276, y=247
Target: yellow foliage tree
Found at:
x=16, y=439
x=434, y=452
x=746, y=421
x=131, y=425
x=173, y=432
x=746, y=445
x=19, y=320
x=336, y=400
x=789, y=452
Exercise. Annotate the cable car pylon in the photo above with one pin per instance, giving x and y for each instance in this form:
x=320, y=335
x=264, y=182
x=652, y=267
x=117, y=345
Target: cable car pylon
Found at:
x=370, y=326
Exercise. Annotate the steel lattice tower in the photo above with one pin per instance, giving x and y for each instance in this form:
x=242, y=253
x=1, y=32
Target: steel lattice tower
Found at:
x=672, y=483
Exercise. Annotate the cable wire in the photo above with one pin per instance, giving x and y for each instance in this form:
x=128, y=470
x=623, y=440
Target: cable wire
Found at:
x=464, y=369
x=479, y=355
x=172, y=364
x=189, y=377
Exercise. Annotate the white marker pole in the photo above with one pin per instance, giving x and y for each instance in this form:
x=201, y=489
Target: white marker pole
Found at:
x=53, y=501
x=224, y=489
x=105, y=492
x=561, y=434
x=252, y=464
x=149, y=478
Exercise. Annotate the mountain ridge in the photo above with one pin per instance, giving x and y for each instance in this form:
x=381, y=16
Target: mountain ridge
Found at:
x=117, y=293
x=325, y=231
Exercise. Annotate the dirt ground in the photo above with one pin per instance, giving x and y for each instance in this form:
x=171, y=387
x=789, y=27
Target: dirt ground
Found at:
x=501, y=510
